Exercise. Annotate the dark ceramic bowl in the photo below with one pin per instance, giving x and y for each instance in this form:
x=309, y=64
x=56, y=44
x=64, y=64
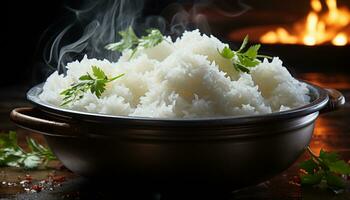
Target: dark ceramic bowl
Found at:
x=230, y=151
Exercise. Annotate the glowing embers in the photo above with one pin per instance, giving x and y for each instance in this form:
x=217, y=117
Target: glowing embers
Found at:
x=320, y=26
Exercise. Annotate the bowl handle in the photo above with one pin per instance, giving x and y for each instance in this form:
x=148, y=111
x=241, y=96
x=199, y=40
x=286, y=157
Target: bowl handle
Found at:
x=31, y=119
x=336, y=100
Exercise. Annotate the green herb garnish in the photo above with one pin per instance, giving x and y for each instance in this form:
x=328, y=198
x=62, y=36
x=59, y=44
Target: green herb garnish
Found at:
x=243, y=60
x=131, y=41
x=12, y=155
x=325, y=168
x=96, y=84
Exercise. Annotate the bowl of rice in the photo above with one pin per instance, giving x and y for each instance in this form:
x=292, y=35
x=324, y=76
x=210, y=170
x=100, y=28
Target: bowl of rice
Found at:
x=183, y=111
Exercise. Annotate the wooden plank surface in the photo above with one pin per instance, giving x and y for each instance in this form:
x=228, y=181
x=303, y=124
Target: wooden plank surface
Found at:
x=332, y=133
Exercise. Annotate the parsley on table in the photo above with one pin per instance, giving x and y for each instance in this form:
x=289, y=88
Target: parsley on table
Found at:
x=243, y=60
x=327, y=167
x=12, y=155
x=96, y=84
x=131, y=41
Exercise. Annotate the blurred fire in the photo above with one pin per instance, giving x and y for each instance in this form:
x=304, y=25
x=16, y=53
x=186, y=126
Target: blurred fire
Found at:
x=319, y=27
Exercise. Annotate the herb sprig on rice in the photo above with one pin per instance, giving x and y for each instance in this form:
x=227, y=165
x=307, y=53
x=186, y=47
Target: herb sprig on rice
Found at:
x=96, y=84
x=131, y=41
x=243, y=60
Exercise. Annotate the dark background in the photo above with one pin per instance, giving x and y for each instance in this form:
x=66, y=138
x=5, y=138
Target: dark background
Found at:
x=24, y=23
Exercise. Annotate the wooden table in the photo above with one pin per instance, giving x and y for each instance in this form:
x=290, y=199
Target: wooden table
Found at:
x=332, y=133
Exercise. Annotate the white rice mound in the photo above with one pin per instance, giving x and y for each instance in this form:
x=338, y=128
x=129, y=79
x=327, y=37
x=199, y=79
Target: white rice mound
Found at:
x=182, y=79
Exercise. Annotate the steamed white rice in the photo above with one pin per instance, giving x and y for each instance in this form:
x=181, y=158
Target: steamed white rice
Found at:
x=182, y=79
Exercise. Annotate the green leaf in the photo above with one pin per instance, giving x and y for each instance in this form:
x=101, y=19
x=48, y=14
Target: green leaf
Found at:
x=8, y=140
x=131, y=41
x=96, y=85
x=340, y=167
x=326, y=166
x=11, y=154
x=98, y=72
x=310, y=166
x=227, y=53
x=11, y=160
x=36, y=147
x=128, y=41
x=248, y=62
x=335, y=181
x=242, y=68
x=13, y=137
x=252, y=52
x=153, y=38
x=244, y=43
x=311, y=179
x=40, y=149
x=86, y=77
x=328, y=157
x=31, y=161
x=243, y=61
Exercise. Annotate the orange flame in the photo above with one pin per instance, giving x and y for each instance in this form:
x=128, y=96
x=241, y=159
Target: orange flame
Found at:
x=317, y=28
x=316, y=5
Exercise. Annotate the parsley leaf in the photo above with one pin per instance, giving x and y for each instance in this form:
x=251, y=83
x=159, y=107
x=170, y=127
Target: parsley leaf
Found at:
x=252, y=52
x=311, y=179
x=326, y=167
x=227, y=53
x=98, y=73
x=243, y=60
x=96, y=84
x=328, y=157
x=39, y=149
x=244, y=43
x=310, y=166
x=335, y=181
x=340, y=167
x=153, y=38
x=12, y=155
x=131, y=41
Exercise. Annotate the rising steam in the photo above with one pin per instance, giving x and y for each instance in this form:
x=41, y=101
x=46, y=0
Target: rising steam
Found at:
x=98, y=23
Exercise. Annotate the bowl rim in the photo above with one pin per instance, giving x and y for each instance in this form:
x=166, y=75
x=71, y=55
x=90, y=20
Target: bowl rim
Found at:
x=320, y=101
